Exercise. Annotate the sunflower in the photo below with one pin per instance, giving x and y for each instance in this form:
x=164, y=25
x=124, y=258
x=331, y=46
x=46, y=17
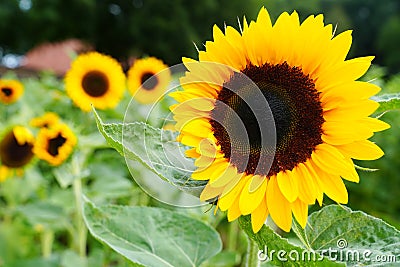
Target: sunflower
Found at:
x=47, y=120
x=95, y=79
x=10, y=91
x=55, y=144
x=15, y=151
x=148, y=79
x=276, y=120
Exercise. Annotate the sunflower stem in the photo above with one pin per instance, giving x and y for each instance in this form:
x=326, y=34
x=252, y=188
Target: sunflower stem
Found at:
x=232, y=236
x=47, y=238
x=252, y=254
x=80, y=224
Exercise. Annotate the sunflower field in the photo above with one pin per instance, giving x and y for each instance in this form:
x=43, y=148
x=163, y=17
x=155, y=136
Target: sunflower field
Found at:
x=180, y=133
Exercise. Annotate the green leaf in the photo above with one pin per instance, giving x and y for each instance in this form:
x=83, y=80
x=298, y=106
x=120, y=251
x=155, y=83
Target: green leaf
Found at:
x=46, y=214
x=156, y=149
x=334, y=227
x=271, y=243
x=152, y=236
x=223, y=259
x=387, y=102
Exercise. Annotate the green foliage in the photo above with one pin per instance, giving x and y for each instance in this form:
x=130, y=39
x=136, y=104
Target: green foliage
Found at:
x=347, y=231
x=388, y=102
x=267, y=238
x=155, y=148
x=337, y=233
x=152, y=236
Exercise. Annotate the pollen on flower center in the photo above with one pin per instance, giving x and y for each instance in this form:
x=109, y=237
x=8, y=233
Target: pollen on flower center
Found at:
x=149, y=81
x=14, y=155
x=296, y=114
x=55, y=144
x=95, y=83
x=6, y=91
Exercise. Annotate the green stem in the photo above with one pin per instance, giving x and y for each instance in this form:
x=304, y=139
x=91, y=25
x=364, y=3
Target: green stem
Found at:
x=232, y=236
x=47, y=238
x=252, y=254
x=80, y=224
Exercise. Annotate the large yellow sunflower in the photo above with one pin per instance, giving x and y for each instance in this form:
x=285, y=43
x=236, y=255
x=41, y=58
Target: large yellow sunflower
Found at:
x=15, y=151
x=148, y=79
x=10, y=91
x=278, y=117
x=55, y=144
x=95, y=79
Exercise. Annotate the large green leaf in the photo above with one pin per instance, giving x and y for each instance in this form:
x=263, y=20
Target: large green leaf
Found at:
x=387, y=102
x=352, y=233
x=290, y=255
x=155, y=148
x=152, y=236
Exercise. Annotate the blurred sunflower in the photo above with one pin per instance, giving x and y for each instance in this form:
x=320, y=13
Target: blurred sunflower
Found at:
x=148, y=79
x=320, y=112
x=47, y=120
x=15, y=151
x=55, y=144
x=95, y=79
x=10, y=91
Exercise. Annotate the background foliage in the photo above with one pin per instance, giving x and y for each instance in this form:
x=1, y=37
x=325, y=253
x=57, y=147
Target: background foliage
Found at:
x=168, y=29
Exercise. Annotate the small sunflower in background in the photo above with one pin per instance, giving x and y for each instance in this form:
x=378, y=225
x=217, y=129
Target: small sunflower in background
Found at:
x=49, y=119
x=55, y=144
x=16, y=151
x=320, y=115
x=148, y=79
x=10, y=91
x=95, y=79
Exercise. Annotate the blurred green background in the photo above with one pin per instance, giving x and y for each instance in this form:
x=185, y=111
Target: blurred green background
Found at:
x=168, y=29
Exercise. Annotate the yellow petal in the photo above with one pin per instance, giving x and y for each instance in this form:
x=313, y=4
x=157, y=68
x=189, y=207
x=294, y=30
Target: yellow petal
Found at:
x=228, y=196
x=209, y=192
x=189, y=140
x=203, y=161
x=259, y=216
x=307, y=188
x=248, y=202
x=233, y=211
x=350, y=174
x=329, y=159
x=219, y=171
x=344, y=132
x=333, y=187
x=361, y=150
x=256, y=182
x=300, y=212
x=224, y=178
x=207, y=147
x=278, y=206
x=288, y=185
x=205, y=173
x=375, y=124
x=354, y=111
x=312, y=169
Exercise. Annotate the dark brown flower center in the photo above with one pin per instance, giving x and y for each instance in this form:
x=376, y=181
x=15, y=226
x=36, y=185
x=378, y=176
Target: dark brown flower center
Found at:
x=55, y=144
x=14, y=155
x=7, y=91
x=95, y=83
x=149, y=81
x=271, y=139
